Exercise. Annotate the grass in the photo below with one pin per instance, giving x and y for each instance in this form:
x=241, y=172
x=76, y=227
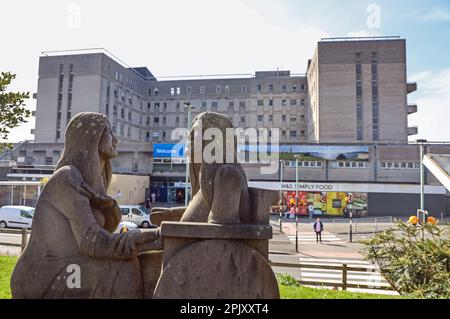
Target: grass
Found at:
x=289, y=288
x=6, y=268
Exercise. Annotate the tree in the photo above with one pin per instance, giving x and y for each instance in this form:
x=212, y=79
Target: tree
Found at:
x=414, y=266
x=12, y=109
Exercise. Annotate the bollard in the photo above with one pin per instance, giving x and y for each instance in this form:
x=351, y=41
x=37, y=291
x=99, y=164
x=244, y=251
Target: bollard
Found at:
x=281, y=226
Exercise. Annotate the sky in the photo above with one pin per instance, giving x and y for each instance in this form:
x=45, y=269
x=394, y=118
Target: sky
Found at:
x=180, y=37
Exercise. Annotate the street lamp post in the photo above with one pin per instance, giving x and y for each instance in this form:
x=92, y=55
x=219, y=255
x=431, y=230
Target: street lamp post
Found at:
x=189, y=120
x=422, y=184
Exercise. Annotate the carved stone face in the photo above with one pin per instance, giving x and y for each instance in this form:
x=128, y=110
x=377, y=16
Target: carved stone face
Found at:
x=107, y=147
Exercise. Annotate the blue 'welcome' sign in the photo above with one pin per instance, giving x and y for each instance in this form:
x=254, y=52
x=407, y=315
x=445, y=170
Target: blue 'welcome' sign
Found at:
x=169, y=150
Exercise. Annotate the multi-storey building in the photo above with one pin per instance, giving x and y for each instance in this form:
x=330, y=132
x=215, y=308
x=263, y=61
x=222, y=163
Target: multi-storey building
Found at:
x=354, y=92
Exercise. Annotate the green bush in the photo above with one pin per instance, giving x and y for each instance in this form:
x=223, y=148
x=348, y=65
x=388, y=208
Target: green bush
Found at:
x=415, y=267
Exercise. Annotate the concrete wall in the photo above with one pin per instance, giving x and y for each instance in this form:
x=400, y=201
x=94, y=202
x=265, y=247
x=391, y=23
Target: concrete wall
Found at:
x=404, y=204
x=131, y=188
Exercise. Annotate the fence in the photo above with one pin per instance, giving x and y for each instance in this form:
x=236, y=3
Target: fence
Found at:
x=24, y=232
x=361, y=225
x=344, y=284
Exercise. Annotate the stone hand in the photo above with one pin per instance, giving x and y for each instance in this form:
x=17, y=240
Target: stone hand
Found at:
x=150, y=240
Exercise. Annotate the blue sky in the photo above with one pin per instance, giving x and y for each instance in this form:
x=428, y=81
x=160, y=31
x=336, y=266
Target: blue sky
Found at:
x=179, y=37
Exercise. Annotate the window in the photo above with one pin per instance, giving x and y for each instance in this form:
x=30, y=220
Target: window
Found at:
x=260, y=118
x=137, y=212
x=231, y=104
x=270, y=87
x=244, y=89
x=214, y=104
x=302, y=133
x=293, y=134
x=283, y=118
x=294, y=87
x=283, y=102
x=260, y=102
x=149, y=92
x=155, y=91
x=202, y=90
x=270, y=118
x=172, y=91
x=284, y=88
x=293, y=102
x=242, y=119
x=188, y=90
x=149, y=106
x=204, y=105
x=227, y=89
x=241, y=103
x=302, y=87
x=270, y=102
x=26, y=214
x=218, y=89
x=302, y=102
x=258, y=88
x=293, y=118
x=302, y=117
x=156, y=120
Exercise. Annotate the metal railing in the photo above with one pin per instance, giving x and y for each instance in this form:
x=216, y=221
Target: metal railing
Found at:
x=361, y=225
x=344, y=284
x=24, y=232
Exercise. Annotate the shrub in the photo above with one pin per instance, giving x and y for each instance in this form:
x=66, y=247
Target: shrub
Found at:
x=415, y=267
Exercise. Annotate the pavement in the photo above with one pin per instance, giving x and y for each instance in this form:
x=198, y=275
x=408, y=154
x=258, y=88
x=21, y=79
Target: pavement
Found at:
x=332, y=246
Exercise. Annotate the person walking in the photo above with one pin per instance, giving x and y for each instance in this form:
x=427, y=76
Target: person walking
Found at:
x=318, y=228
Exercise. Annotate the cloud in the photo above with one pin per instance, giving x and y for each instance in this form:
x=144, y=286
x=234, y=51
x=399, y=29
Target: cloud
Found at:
x=435, y=14
x=433, y=99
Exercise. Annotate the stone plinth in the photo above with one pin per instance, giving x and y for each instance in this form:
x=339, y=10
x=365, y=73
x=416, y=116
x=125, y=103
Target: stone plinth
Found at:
x=208, y=261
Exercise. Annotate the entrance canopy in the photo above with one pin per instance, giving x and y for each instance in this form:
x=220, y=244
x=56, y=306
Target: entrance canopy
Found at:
x=439, y=166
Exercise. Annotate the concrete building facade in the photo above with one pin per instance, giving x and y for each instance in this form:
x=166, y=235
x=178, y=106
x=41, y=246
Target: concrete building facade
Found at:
x=354, y=92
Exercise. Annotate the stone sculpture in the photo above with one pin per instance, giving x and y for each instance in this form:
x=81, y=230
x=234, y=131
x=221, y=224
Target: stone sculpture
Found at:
x=73, y=226
x=218, y=250
x=220, y=247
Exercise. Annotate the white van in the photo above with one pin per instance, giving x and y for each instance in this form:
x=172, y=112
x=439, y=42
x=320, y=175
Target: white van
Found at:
x=137, y=215
x=16, y=216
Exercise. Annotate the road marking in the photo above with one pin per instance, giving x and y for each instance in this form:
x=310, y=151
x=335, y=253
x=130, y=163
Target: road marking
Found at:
x=302, y=237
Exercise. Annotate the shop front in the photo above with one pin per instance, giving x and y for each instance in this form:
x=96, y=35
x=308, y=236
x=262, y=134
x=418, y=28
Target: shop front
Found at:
x=361, y=199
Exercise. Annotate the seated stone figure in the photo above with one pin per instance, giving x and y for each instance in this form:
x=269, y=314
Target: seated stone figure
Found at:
x=74, y=223
x=219, y=189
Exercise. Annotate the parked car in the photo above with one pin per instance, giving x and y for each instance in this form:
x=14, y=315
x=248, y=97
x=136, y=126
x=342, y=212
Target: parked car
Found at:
x=136, y=214
x=16, y=216
x=126, y=226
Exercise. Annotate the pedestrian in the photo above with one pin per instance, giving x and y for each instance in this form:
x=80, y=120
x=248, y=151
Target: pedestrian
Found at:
x=148, y=205
x=318, y=228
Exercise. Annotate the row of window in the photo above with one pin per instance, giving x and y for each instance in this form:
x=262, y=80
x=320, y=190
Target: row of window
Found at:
x=400, y=165
x=292, y=118
x=283, y=102
x=353, y=164
x=174, y=91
